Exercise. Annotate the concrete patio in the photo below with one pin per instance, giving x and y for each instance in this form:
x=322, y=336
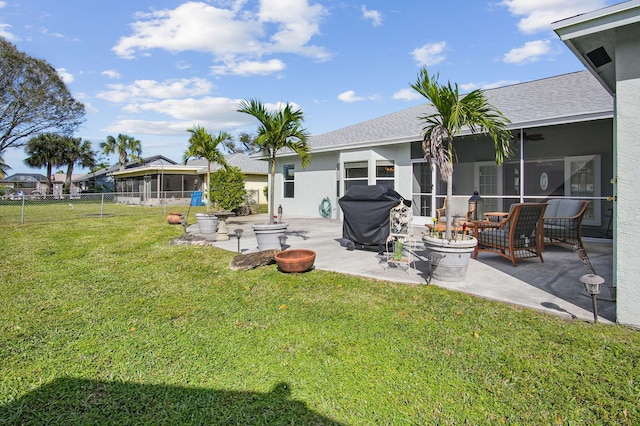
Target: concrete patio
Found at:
x=552, y=286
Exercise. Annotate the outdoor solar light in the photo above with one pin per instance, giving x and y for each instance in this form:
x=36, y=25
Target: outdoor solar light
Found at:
x=592, y=284
x=283, y=241
x=280, y=213
x=474, y=203
x=238, y=236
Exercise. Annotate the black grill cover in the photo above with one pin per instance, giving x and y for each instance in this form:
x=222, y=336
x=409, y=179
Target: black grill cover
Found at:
x=366, y=213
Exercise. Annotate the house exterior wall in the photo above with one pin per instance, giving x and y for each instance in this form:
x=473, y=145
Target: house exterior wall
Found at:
x=627, y=249
x=255, y=184
x=311, y=185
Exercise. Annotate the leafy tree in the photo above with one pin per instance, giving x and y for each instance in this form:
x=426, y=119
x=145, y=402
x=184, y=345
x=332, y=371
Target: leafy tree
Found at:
x=278, y=130
x=227, y=188
x=203, y=145
x=245, y=144
x=127, y=148
x=45, y=150
x=453, y=113
x=76, y=152
x=33, y=99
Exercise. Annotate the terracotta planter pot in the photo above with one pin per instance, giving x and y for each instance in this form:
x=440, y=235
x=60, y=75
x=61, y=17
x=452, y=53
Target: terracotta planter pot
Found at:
x=295, y=260
x=174, y=218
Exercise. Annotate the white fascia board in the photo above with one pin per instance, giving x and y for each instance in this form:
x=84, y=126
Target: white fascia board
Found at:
x=598, y=21
x=137, y=171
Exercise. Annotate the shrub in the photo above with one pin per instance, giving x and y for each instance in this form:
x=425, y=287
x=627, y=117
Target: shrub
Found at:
x=227, y=188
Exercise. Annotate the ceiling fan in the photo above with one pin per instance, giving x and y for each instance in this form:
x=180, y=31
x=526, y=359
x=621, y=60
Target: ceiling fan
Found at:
x=531, y=137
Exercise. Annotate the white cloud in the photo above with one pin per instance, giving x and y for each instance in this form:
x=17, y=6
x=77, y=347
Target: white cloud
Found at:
x=111, y=74
x=349, y=96
x=373, y=15
x=430, y=53
x=407, y=95
x=6, y=34
x=538, y=15
x=199, y=109
x=250, y=67
x=532, y=51
x=66, y=76
x=212, y=112
x=232, y=35
x=151, y=89
x=158, y=128
x=45, y=31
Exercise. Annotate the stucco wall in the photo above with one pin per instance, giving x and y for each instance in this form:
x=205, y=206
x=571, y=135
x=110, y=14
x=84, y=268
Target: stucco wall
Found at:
x=311, y=185
x=319, y=180
x=627, y=249
x=256, y=183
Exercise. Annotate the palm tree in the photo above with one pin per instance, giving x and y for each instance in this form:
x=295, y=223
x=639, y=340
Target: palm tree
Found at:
x=453, y=113
x=278, y=130
x=3, y=167
x=76, y=152
x=203, y=145
x=123, y=145
x=45, y=150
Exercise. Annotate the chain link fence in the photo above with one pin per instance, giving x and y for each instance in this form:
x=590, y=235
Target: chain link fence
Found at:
x=37, y=208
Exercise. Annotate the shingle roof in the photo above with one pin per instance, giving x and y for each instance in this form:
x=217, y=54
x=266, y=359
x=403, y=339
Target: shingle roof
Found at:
x=566, y=98
x=243, y=161
x=24, y=177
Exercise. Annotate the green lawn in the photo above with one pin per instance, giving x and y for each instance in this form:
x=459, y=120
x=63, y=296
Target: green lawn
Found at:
x=102, y=322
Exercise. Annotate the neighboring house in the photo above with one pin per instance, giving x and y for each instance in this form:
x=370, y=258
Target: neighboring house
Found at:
x=26, y=182
x=563, y=147
x=255, y=173
x=159, y=180
x=98, y=181
x=58, y=180
x=607, y=41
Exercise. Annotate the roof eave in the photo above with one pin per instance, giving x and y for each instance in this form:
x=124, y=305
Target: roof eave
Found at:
x=549, y=121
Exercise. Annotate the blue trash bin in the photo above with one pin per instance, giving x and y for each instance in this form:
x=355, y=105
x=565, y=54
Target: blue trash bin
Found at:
x=196, y=198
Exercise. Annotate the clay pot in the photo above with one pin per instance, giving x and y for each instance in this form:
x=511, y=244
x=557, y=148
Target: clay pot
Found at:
x=174, y=218
x=295, y=260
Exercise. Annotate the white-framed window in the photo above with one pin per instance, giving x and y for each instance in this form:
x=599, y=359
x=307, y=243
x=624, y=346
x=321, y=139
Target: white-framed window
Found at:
x=582, y=179
x=488, y=183
x=355, y=173
x=385, y=173
x=288, y=172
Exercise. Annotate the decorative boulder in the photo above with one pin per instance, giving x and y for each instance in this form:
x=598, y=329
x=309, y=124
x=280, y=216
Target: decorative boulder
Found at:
x=248, y=261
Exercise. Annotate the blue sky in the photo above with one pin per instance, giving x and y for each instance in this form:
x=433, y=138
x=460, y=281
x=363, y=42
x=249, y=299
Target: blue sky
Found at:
x=152, y=68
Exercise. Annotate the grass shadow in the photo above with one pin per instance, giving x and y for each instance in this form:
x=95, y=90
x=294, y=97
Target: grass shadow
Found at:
x=70, y=400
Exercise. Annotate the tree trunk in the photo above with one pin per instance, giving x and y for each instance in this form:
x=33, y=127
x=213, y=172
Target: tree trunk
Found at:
x=272, y=187
x=447, y=233
x=49, y=182
x=67, y=181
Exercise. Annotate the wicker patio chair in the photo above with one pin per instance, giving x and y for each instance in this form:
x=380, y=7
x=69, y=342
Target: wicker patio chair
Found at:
x=459, y=207
x=518, y=236
x=563, y=221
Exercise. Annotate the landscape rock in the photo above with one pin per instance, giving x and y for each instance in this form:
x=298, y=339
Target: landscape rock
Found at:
x=248, y=261
x=188, y=239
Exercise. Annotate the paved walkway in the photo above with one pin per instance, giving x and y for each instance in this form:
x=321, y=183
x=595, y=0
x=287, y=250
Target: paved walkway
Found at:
x=552, y=286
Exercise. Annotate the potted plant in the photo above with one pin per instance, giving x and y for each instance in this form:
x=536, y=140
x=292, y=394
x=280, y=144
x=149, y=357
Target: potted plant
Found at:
x=450, y=114
x=279, y=129
x=203, y=145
